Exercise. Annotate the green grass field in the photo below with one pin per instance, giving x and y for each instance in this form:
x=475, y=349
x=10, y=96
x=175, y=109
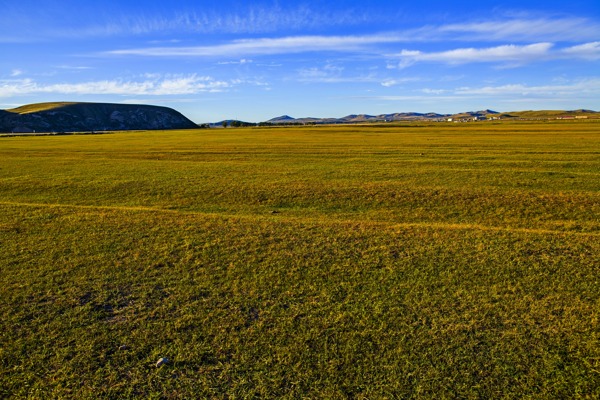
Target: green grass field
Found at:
x=367, y=262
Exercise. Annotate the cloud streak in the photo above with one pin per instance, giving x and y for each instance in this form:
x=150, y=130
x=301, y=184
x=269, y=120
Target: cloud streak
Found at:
x=579, y=88
x=332, y=74
x=267, y=46
x=505, y=53
x=513, y=55
x=522, y=29
x=153, y=86
x=588, y=51
x=399, y=81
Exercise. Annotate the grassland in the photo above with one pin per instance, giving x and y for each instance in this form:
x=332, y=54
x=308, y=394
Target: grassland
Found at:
x=550, y=114
x=408, y=261
x=32, y=108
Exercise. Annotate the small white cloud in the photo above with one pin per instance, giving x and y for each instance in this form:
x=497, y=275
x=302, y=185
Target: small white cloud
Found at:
x=590, y=51
x=434, y=91
x=410, y=53
x=73, y=67
x=171, y=41
x=271, y=65
x=328, y=73
x=389, y=83
x=240, y=62
x=16, y=72
x=398, y=81
x=187, y=85
x=333, y=74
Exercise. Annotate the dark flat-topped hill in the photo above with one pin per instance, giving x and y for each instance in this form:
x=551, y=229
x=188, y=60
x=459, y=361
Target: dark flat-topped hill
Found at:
x=79, y=117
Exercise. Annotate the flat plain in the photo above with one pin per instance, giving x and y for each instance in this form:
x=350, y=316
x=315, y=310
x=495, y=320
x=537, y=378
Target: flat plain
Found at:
x=383, y=261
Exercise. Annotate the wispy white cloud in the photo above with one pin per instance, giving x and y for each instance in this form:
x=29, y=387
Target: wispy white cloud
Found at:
x=377, y=45
x=398, y=81
x=16, y=72
x=332, y=73
x=505, y=53
x=521, y=29
x=154, y=86
x=452, y=78
x=20, y=23
x=589, y=51
x=270, y=65
x=152, y=101
x=259, y=19
x=572, y=91
x=238, y=62
x=510, y=55
x=242, y=19
x=328, y=73
x=434, y=91
x=268, y=46
x=577, y=88
x=421, y=98
x=73, y=67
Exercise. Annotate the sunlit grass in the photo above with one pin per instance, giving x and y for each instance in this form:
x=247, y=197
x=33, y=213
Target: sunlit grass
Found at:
x=328, y=262
x=31, y=108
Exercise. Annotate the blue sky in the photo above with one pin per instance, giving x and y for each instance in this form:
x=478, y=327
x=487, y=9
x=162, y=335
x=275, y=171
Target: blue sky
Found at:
x=254, y=60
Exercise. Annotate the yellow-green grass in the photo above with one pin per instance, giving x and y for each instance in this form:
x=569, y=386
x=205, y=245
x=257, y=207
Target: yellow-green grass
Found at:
x=551, y=113
x=411, y=261
x=31, y=108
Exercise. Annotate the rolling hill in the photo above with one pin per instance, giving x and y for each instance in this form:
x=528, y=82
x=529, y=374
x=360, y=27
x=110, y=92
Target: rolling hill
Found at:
x=80, y=117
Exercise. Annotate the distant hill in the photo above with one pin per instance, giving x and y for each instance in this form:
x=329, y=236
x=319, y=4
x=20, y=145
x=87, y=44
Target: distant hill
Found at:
x=283, y=118
x=545, y=114
x=414, y=116
x=366, y=118
x=80, y=117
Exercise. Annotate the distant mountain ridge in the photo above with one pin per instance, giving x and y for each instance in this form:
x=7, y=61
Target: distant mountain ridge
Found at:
x=415, y=116
x=79, y=117
x=357, y=118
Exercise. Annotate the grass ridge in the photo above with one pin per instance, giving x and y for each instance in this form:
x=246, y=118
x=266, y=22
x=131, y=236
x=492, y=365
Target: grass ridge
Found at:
x=295, y=219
